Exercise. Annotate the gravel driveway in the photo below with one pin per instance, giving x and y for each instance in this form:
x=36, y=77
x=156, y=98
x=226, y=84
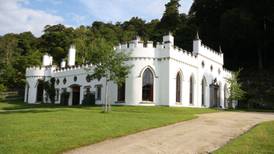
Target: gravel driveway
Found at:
x=201, y=135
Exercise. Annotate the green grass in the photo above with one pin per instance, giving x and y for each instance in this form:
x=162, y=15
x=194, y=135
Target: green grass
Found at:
x=53, y=129
x=258, y=140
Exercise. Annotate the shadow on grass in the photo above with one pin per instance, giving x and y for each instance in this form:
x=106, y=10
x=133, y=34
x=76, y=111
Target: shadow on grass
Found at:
x=24, y=111
x=19, y=105
x=251, y=110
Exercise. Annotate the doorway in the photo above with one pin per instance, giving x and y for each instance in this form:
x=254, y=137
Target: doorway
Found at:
x=75, y=95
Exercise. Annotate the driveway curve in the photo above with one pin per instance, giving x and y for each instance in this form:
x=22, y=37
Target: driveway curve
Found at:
x=202, y=135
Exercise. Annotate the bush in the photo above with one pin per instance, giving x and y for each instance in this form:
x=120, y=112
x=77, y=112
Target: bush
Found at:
x=89, y=99
x=64, y=98
x=2, y=88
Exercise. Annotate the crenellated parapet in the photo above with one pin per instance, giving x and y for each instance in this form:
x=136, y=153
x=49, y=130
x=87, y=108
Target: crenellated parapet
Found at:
x=206, y=52
x=40, y=71
x=165, y=49
x=73, y=68
x=227, y=73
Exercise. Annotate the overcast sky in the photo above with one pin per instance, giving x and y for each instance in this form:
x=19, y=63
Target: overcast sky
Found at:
x=32, y=15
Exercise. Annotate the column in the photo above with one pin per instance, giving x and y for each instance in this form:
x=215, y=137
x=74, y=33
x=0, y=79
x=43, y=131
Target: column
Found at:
x=81, y=94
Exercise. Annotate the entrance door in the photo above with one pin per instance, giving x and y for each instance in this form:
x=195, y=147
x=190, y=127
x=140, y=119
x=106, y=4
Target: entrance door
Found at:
x=214, y=96
x=75, y=95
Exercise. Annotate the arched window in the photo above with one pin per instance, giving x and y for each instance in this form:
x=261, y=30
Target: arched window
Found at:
x=203, y=91
x=225, y=97
x=147, y=85
x=178, y=87
x=191, y=90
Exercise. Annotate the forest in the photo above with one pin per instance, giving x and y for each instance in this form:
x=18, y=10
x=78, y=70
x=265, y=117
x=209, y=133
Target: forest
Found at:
x=244, y=30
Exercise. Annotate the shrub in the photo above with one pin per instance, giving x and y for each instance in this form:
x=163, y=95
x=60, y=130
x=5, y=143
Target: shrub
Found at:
x=89, y=99
x=64, y=98
x=2, y=88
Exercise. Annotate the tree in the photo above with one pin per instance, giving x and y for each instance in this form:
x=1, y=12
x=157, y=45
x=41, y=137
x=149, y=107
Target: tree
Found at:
x=244, y=29
x=235, y=87
x=56, y=41
x=107, y=64
x=171, y=17
x=50, y=89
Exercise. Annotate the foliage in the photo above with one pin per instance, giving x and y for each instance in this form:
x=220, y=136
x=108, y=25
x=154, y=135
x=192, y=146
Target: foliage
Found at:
x=29, y=129
x=244, y=29
x=263, y=95
x=89, y=99
x=2, y=88
x=235, y=87
x=56, y=41
x=50, y=89
x=108, y=64
x=64, y=98
x=171, y=17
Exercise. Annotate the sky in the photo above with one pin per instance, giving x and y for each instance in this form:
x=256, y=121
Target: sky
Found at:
x=18, y=16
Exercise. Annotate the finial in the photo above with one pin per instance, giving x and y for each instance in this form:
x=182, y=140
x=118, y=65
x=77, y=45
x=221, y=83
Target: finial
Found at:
x=220, y=49
x=72, y=46
x=138, y=38
x=197, y=36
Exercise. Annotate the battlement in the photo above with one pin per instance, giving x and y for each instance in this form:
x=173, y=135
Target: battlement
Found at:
x=206, y=52
x=78, y=67
x=39, y=71
x=137, y=48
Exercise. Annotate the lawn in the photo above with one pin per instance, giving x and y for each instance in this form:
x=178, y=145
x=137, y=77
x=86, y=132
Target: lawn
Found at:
x=54, y=129
x=258, y=140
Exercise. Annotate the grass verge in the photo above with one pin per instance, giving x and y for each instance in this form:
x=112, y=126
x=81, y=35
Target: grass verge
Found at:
x=53, y=129
x=260, y=139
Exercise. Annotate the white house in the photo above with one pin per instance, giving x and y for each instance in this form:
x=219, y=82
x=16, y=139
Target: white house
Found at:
x=161, y=75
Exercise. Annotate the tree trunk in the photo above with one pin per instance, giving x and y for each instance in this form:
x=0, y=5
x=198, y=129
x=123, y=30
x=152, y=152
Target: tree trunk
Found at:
x=106, y=97
x=260, y=58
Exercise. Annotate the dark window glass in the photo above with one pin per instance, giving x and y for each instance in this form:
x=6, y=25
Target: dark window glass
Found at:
x=57, y=95
x=88, y=78
x=147, y=85
x=57, y=81
x=178, y=88
x=99, y=92
x=203, y=91
x=191, y=90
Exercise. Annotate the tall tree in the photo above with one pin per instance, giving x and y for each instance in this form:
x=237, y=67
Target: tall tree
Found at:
x=171, y=17
x=56, y=41
x=107, y=64
x=236, y=91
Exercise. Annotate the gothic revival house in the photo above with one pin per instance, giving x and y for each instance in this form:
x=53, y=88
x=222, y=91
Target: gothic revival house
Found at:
x=161, y=75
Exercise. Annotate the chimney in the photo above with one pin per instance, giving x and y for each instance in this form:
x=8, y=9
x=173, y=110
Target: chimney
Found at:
x=197, y=43
x=168, y=40
x=46, y=60
x=71, y=56
x=63, y=64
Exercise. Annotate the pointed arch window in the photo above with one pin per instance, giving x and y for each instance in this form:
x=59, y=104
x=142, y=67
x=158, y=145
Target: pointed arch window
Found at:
x=147, y=87
x=225, y=96
x=191, y=90
x=178, y=87
x=203, y=91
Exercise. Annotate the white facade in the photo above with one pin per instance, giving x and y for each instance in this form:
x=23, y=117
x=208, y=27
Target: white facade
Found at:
x=161, y=75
